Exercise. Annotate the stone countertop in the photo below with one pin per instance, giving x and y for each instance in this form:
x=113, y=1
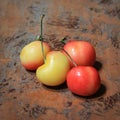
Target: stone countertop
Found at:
x=22, y=96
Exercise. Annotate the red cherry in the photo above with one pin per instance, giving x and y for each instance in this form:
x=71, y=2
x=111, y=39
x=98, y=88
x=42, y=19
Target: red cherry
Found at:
x=83, y=80
x=82, y=52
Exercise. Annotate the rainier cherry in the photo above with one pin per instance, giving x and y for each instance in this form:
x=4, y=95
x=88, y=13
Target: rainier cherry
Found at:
x=32, y=55
x=55, y=69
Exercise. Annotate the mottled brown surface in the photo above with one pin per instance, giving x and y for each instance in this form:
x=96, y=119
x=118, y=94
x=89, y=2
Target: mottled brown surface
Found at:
x=22, y=97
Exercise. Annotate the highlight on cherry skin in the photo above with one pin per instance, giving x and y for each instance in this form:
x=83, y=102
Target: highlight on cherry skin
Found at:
x=83, y=80
x=31, y=55
x=55, y=69
x=82, y=52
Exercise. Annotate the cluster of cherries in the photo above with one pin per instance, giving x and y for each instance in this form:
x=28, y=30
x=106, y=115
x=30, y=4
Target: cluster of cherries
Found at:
x=73, y=64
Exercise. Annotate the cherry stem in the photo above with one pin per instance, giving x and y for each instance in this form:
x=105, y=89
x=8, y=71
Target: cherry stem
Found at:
x=70, y=58
x=63, y=42
x=41, y=36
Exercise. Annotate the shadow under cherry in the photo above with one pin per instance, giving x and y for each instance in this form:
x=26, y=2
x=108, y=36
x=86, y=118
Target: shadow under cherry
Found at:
x=99, y=93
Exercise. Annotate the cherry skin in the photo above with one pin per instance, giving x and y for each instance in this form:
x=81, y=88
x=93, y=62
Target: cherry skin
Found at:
x=82, y=52
x=55, y=69
x=83, y=80
x=31, y=56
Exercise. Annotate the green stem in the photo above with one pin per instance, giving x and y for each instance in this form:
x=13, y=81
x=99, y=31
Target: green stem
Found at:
x=41, y=36
x=63, y=40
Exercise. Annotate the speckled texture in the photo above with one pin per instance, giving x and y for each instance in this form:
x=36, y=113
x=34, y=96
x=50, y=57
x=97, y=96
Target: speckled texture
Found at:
x=22, y=97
